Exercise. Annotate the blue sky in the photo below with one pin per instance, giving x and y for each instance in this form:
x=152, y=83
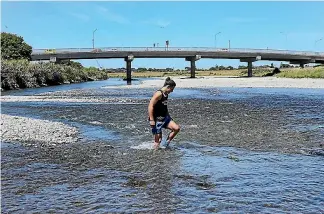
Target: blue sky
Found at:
x=186, y=24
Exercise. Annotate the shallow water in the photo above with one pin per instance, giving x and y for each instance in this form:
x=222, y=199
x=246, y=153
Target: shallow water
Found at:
x=240, y=150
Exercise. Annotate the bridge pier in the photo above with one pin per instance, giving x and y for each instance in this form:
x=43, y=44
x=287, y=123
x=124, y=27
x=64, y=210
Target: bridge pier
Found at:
x=192, y=68
x=193, y=64
x=249, y=61
x=128, y=61
x=249, y=69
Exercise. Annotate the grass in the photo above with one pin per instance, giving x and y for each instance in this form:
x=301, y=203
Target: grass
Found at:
x=316, y=72
x=148, y=74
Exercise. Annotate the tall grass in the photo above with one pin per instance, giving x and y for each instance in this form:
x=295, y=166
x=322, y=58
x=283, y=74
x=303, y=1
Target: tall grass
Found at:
x=317, y=72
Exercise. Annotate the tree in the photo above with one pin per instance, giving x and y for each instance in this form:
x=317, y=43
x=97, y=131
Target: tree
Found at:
x=282, y=65
x=221, y=67
x=14, y=47
x=141, y=69
x=71, y=63
x=242, y=67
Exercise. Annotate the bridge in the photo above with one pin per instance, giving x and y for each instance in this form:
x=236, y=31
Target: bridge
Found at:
x=189, y=54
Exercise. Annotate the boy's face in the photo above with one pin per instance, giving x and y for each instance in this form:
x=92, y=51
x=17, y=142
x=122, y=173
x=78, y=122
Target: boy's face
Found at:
x=169, y=90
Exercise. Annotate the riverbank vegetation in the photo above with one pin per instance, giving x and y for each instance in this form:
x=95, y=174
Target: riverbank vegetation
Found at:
x=17, y=71
x=308, y=72
x=17, y=74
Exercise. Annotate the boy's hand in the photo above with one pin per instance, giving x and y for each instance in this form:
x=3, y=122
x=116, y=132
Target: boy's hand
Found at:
x=152, y=123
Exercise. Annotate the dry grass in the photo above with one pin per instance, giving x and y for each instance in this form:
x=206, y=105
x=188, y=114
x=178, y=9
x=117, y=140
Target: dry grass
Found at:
x=317, y=72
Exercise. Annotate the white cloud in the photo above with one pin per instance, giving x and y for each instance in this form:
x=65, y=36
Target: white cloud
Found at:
x=158, y=22
x=80, y=16
x=243, y=19
x=112, y=16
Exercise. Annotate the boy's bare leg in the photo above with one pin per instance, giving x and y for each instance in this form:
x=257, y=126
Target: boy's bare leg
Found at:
x=157, y=141
x=175, y=128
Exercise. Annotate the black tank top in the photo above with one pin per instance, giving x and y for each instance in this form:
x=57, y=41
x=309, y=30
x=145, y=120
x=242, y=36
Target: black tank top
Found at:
x=160, y=109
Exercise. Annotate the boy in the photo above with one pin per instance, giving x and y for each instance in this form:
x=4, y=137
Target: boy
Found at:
x=159, y=116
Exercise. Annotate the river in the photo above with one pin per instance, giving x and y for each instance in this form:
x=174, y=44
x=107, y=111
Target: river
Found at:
x=240, y=150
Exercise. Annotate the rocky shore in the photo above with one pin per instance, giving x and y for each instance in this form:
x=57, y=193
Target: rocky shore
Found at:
x=36, y=131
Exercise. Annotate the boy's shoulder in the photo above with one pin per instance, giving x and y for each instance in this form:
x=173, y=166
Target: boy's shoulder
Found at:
x=158, y=92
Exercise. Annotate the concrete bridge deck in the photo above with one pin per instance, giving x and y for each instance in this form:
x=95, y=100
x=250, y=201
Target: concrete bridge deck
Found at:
x=190, y=54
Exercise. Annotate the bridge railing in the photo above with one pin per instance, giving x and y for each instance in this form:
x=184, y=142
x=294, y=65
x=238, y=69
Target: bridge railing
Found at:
x=173, y=49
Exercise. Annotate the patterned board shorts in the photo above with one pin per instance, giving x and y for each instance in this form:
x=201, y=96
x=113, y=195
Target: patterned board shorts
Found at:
x=159, y=124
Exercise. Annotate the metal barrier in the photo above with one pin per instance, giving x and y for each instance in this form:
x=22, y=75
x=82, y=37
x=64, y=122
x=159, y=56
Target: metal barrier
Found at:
x=173, y=49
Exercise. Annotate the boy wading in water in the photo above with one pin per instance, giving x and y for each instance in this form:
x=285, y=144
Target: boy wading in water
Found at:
x=159, y=116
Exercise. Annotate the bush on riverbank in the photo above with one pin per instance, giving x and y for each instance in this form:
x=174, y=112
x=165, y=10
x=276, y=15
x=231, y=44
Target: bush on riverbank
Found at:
x=316, y=72
x=24, y=74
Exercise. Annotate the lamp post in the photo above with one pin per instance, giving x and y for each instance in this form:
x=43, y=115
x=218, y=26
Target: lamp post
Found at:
x=216, y=38
x=93, y=38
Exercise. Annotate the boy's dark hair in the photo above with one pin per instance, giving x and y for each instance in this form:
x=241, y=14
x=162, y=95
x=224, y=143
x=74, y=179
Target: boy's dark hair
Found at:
x=169, y=82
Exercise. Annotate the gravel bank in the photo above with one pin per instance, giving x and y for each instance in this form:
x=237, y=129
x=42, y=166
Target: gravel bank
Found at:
x=27, y=130
x=254, y=82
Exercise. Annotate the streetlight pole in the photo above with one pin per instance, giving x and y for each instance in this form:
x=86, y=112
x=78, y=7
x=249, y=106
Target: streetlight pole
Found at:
x=93, y=38
x=286, y=37
x=216, y=38
x=318, y=41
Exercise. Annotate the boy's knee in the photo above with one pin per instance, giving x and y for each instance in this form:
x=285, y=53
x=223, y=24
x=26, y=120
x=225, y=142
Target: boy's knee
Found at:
x=177, y=128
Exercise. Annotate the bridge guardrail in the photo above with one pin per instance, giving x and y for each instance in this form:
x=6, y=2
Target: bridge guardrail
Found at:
x=175, y=49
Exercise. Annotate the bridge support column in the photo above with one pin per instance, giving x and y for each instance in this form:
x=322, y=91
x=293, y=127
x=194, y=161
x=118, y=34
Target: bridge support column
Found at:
x=192, y=69
x=302, y=65
x=249, y=61
x=128, y=61
x=249, y=69
x=193, y=65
